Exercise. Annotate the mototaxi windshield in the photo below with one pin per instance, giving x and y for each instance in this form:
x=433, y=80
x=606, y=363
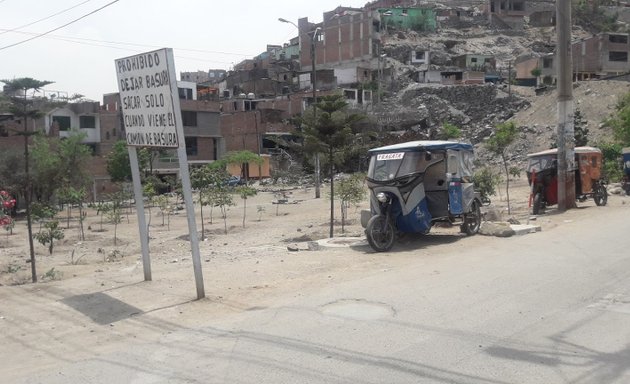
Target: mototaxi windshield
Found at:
x=389, y=166
x=541, y=163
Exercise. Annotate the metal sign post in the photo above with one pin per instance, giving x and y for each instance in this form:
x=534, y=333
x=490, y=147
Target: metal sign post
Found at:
x=152, y=118
x=142, y=222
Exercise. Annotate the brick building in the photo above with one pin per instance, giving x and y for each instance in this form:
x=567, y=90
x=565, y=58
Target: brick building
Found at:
x=602, y=55
x=348, y=41
x=516, y=14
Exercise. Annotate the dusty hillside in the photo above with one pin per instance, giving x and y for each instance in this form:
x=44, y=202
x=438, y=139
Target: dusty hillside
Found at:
x=596, y=101
x=421, y=109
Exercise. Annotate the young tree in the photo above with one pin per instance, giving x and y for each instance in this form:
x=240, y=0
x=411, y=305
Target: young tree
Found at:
x=45, y=168
x=201, y=180
x=350, y=191
x=504, y=136
x=611, y=153
x=222, y=198
x=101, y=211
x=580, y=130
x=536, y=72
x=245, y=191
x=12, y=170
x=166, y=209
x=118, y=166
x=214, y=190
x=42, y=213
x=113, y=210
x=620, y=121
x=49, y=234
x=330, y=132
x=24, y=105
x=74, y=156
x=149, y=191
x=486, y=181
x=73, y=196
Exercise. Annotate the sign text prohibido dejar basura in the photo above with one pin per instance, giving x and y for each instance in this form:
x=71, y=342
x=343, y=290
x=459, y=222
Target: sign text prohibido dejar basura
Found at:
x=146, y=95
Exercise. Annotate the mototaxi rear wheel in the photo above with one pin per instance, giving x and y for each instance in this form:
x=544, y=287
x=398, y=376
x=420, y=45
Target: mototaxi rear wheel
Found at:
x=472, y=220
x=539, y=205
x=600, y=195
x=380, y=233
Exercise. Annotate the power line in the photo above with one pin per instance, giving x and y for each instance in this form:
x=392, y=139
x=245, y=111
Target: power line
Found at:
x=58, y=28
x=96, y=44
x=45, y=18
x=80, y=40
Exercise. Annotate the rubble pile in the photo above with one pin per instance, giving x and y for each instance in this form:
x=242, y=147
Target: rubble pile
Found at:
x=424, y=108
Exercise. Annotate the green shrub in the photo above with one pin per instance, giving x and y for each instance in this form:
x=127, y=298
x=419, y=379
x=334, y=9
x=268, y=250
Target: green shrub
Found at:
x=486, y=181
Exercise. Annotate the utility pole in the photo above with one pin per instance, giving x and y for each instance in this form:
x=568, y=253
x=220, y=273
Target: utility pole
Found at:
x=314, y=78
x=259, y=141
x=565, y=129
x=509, y=76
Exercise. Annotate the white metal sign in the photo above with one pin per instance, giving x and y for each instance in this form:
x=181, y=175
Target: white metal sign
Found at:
x=151, y=110
x=146, y=93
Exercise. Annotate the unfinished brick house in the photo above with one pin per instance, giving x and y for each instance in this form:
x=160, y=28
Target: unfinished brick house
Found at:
x=523, y=67
x=348, y=41
x=602, y=55
x=515, y=14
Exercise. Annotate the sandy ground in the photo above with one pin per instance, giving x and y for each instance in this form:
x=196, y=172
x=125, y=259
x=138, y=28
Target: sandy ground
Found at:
x=246, y=258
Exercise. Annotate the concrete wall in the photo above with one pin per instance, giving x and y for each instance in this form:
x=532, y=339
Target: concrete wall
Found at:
x=414, y=57
x=430, y=77
x=346, y=75
x=474, y=77
x=475, y=61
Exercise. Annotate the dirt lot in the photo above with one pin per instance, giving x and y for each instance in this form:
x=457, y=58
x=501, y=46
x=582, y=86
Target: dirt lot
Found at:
x=250, y=258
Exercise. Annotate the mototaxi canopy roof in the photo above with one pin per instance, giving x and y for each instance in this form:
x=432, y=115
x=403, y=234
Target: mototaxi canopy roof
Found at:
x=554, y=151
x=423, y=145
x=406, y=158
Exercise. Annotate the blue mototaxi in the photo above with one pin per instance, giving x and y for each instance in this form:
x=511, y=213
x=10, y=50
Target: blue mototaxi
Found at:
x=415, y=184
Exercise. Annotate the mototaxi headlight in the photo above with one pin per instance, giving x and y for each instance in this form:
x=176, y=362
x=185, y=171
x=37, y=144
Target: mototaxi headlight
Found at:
x=382, y=197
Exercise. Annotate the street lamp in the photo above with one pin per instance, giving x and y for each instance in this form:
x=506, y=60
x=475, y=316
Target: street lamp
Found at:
x=313, y=81
x=288, y=21
x=381, y=58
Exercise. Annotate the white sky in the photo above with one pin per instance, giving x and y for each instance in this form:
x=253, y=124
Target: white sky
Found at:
x=205, y=34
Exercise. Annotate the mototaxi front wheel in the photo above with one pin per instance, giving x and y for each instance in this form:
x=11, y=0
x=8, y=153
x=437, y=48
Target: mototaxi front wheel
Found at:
x=380, y=233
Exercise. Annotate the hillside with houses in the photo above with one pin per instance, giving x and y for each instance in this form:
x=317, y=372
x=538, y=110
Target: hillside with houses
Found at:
x=409, y=66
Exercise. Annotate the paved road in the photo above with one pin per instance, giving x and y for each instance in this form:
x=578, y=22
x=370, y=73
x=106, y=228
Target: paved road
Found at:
x=551, y=307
